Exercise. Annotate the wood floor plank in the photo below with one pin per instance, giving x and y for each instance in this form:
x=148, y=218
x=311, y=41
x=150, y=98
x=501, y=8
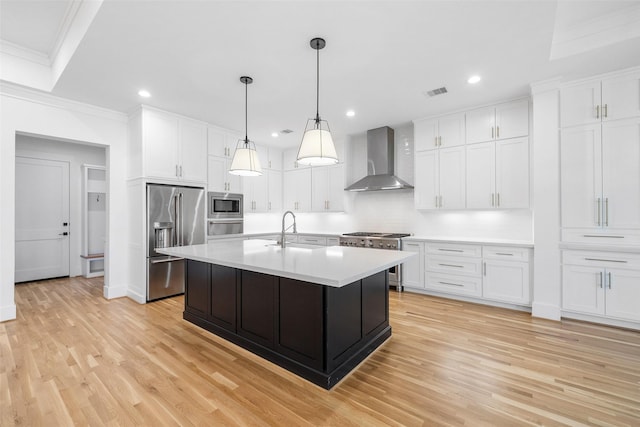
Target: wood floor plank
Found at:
x=73, y=358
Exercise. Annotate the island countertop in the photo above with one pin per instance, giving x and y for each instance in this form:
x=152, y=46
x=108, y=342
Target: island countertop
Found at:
x=334, y=266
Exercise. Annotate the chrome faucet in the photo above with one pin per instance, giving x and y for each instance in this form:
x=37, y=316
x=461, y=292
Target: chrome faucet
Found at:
x=282, y=238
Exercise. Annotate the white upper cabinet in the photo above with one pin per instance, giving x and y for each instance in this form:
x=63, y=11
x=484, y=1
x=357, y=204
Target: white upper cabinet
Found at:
x=327, y=188
x=446, y=131
x=219, y=178
x=598, y=100
x=221, y=143
x=274, y=204
x=297, y=190
x=167, y=146
x=256, y=193
x=508, y=120
x=498, y=174
x=440, y=179
x=289, y=158
x=600, y=182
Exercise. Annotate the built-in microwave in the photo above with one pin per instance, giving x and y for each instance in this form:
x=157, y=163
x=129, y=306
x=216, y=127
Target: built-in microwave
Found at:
x=224, y=205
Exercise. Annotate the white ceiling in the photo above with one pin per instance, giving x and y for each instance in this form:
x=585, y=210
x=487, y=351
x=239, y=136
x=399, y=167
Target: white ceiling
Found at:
x=380, y=58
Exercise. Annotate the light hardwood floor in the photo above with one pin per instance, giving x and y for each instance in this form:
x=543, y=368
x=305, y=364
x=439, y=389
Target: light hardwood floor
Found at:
x=73, y=357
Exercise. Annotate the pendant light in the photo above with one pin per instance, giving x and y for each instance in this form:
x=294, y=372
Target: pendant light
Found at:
x=317, y=146
x=245, y=159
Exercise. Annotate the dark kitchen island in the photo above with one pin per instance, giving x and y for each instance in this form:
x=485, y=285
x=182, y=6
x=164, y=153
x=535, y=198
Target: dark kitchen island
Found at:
x=265, y=299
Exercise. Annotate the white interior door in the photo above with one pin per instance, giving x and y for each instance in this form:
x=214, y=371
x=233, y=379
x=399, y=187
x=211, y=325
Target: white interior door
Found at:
x=42, y=219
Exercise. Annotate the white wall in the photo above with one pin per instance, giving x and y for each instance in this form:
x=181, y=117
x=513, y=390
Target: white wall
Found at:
x=34, y=113
x=76, y=155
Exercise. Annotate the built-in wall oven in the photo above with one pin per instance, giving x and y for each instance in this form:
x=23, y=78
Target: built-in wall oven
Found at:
x=224, y=213
x=389, y=241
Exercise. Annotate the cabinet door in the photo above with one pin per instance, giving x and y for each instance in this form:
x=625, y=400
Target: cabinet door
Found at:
x=413, y=268
x=621, y=173
x=621, y=97
x=303, y=189
x=263, y=156
x=216, y=172
x=425, y=135
x=481, y=176
x=580, y=104
x=583, y=289
x=193, y=151
x=319, y=188
x=451, y=130
x=426, y=190
x=289, y=159
x=512, y=119
x=480, y=125
x=275, y=191
x=255, y=193
x=217, y=142
x=623, y=293
x=160, y=144
x=275, y=159
x=512, y=173
x=580, y=177
x=197, y=293
x=506, y=281
x=223, y=296
x=452, y=178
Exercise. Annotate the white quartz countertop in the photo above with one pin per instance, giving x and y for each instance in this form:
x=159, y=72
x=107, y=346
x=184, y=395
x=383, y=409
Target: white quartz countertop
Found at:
x=481, y=241
x=335, y=266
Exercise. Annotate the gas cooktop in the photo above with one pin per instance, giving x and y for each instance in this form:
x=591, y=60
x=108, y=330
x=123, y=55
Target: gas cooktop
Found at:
x=373, y=234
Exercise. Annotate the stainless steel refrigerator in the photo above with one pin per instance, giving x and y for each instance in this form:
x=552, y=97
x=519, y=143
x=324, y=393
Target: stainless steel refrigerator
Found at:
x=175, y=217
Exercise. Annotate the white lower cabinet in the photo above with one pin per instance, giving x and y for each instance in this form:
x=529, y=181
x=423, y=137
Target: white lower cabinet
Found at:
x=485, y=272
x=604, y=284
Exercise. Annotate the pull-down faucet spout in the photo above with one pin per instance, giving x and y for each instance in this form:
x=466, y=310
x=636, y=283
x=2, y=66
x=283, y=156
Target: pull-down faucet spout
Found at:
x=282, y=238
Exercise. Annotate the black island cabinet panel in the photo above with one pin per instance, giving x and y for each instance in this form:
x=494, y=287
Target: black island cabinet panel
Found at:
x=223, y=296
x=197, y=293
x=256, y=308
x=300, y=322
x=318, y=332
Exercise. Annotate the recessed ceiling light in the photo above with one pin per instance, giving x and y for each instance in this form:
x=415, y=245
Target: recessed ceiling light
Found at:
x=351, y=113
x=473, y=79
x=274, y=134
x=144, y=93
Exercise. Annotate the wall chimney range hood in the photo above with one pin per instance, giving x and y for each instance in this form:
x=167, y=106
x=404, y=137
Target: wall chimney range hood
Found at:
x=380, y=159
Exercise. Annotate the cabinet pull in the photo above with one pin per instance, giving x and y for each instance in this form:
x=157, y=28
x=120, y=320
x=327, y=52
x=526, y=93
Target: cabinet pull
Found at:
x=599, y=279
x=451, y=284
x=440, y=204
x=609, y=277
x=606, y=111
x=269, y=164
x=497, y=131
x=493, y=199
x=621, y=261
x=491, y=132
x=603, y=235
x=269, y=203
x=450, y=250
x=484, y=268
x=177, y=170
x=181, y=171
x=439, y=141
x=328, y=204
x=606, y=212
x=598, y=202
x=497, y=199
x=435, y=141
x=597, y=111
x=503, y=253
x=436, y=201
x=451, y=265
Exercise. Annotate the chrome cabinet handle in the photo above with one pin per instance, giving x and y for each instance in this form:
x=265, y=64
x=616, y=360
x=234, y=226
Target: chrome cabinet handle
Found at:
x=439, y=141
x=180, y=171
x=269, y=205
x=606, y=111
x=597, y=111
x=491, y=132
x=606, y=212
x=451, y=284
x=451, y=265
x=497, y=131
x=484, y=268
x=598, y=201
x=609, y=274
x=435, y=141
x=436, y=201
x=599, y=278
x=440, y=203
x=497, y=199
x=493, y=199
x=606, y=260
x=450, y=250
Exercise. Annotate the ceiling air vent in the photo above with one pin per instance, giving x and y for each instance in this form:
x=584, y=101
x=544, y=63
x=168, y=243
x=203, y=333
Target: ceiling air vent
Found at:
x=286, y=131
x=435, y=92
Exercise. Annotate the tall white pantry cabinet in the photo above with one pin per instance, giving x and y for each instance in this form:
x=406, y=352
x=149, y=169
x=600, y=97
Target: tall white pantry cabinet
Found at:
x=600, y=198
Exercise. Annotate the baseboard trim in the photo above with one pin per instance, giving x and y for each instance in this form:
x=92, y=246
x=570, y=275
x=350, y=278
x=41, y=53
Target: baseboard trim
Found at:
x=140, y=299
x=8, y=312
x=545, y=311
x=111, y=292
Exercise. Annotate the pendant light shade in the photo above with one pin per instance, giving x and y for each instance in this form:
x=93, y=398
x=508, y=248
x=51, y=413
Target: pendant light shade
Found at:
x=245, y=159
x=317, y=146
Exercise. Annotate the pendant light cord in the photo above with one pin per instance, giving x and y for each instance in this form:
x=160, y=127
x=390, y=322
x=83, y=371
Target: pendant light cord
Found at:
x=317, y=85
x=246, y=115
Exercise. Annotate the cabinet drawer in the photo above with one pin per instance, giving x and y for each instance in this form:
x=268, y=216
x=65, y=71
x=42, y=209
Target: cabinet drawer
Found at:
x=454, y=249
x=601, y=236
x=454, y=284
x=602, y=259
x=455, y=265
x=313, y=240
x=505, y=253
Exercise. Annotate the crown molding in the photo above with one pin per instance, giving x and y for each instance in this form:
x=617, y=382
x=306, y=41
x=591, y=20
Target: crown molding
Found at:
x=23, y=53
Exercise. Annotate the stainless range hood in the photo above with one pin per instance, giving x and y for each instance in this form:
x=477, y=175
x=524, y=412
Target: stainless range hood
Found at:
x=380, y=159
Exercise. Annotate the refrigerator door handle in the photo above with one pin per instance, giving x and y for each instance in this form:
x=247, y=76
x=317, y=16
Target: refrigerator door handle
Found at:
x=181, y=221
